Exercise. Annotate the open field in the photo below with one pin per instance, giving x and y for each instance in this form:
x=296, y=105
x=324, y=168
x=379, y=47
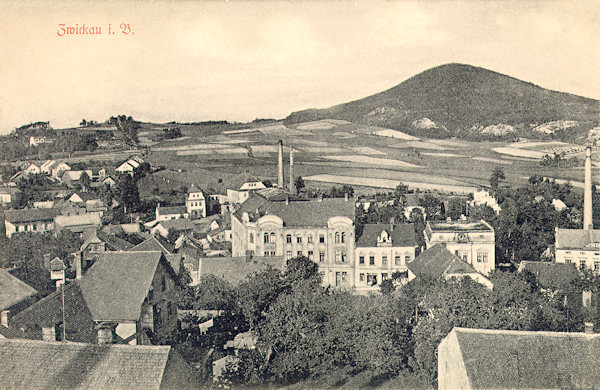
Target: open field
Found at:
x=395, y=134
x=442, y=154
x=372, y=161
x=367, y=150
x=519, y=152
x=492, y=160
x=419, y=145
x=389, y=184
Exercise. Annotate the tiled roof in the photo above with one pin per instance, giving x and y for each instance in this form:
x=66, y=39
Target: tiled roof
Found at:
x=29, y=364
x=30, y=215
x=577, y=238
x=459, y=226
x=114, y=243
x=175, y=261
x=402, y=235
x=116, y=285
x=526, y=360
x=13, y=290
x=154, y=244
x=78, y=220
x=551, y=275
x=298, y=212
x=170, y=210
x=178, y=224
x=236, y=269
x=438, y=261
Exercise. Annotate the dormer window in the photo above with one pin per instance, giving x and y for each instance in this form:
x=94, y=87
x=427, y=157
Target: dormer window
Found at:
x=383, y=237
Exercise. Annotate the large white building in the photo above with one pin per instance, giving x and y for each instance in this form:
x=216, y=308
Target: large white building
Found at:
x=195, y=203
x=473, y=242
x=320, y=229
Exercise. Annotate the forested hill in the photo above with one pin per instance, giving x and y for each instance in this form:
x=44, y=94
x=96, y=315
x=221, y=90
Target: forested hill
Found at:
x=464, y=100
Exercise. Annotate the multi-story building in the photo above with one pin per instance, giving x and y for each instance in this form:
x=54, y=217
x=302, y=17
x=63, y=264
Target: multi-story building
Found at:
x=320, y=229
x=473, y=242
x=195, y=203
x=382, y=250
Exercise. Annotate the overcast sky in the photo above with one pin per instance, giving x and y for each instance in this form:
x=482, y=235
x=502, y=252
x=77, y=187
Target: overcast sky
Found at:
x=195, y=61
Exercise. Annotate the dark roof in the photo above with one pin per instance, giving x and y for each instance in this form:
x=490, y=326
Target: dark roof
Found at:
x=551, y=275
x=402, y=235
x=511, y=359
x=179, y=224
x=154, y=243
x=167, y=210
x=29, y=364
x=577, y=239
x=438, y=261
x=298, y=212
x=236, y=269
x=113, y=242
x=30, y=215
x=175, y=261
x=13, y=290
x=459, y=226
x=116, y=285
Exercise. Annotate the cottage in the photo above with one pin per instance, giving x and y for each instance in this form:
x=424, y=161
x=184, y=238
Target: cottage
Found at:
x=30, y=220
x=8, y=195
x=29, y=364
x=130, y=165
x=165, y=213
x=131, y=295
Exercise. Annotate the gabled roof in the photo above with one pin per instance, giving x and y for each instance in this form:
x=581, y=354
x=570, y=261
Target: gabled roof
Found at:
x=36, y=364
x=13, y=290
x=116, y=285
x=30, y=215
x=437, y=262
x=114, y=243
x=154, y=244
x=511, y=359
x=551, y=275
x=78, y=220
x=577, y=239
x=236, y=269
x=194, y=188
x=177, y=224
x=402, y=235
x=298, y=212
x=172, y=210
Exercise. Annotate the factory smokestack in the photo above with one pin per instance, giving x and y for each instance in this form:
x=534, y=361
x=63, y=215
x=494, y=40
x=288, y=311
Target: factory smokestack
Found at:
x=280, y=165
x=292, y=189
x=587, y=195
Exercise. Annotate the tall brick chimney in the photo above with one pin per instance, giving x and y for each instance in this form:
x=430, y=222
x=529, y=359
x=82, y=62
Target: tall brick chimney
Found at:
x=280, y=165
x=292, y=189
x=587, y=195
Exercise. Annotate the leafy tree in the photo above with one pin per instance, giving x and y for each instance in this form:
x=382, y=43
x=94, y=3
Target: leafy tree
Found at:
x=128, y=193
x=456, y=208
x=299, y=183
x=257, y=293
x=432, y=205
x=302, y=268
x=496, y=177
x=84, y=181
x=213, y=293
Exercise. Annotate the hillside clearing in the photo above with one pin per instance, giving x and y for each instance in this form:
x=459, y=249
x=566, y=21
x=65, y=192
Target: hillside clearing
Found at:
x=372, y=160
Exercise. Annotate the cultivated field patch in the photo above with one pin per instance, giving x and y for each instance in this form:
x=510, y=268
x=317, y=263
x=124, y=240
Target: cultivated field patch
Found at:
x=372, y=160
x=280, y=131
x=323, y=149
x=519, y=152
x=344, y=135
x=367, y=150
x=316, y=125
x=441, y=154
x=419, y=145
x=387, y=183
x=395, y=134
x=492, y=160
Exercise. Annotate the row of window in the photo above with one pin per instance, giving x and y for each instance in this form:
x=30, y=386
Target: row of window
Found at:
x=384, y=260
x=196, y=204
x=583, y=264
x=34, y=227
x=270, y=238
x=482, y=257
x=340, y=256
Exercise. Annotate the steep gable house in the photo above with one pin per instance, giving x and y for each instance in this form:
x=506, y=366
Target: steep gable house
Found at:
x=132, y=294
x=29, y=364
x=438, y=262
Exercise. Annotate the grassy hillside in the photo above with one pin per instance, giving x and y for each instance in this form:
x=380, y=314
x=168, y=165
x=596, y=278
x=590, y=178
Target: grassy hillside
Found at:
x=461, y=99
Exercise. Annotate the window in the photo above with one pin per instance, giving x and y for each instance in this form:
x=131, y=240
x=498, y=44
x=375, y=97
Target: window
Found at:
x=596, y=265
x=321, y=238
x=406, y=259
x=456, y=253
x=398, y=260
x=567, y=261
x=340, y=278
x=251, y=238
x=272, y=238
x=163, y=283
x=310, y=255
x=321, y=256
x=582, y=264
x=371, y=279
x=266, y=238
x=361, y=277
x=343, y=257
x=288, y=239
x=309, y=239
x=299, y=239
x=464, y=257
x=337, y=237
x=266, y=254
x=343, y=237
x=383, y=260
x=371, y=260
x=288, y=255
x=273, y=254
x=361, y=260
x=299, y=253
x=384, y=276
x=338, y=256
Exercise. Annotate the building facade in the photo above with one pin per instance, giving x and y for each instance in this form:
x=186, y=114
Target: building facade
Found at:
x=381, y=251
x=320, y=229
x=195, y=203
x=473, y=242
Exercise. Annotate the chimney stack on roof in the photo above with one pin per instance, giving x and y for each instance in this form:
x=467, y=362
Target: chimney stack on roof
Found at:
x=4, y=316
x=280, y=165
x=587, y=195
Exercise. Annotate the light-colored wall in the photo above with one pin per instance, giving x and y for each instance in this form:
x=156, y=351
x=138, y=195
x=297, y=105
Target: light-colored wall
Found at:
x=591, y=258
x=478, y=242
x=126, y=329
x=39, y=227
x=452, y=374
x=382, y=271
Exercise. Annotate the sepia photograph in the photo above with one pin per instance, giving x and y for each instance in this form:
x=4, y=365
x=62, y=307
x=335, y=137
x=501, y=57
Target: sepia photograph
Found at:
x=300, y=194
